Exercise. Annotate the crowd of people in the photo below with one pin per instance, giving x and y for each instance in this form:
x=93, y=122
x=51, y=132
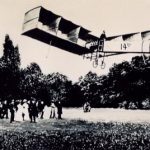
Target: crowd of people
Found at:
x=29, y=109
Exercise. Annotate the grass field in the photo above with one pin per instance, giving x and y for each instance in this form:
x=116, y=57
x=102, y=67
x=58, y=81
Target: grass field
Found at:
x=74, y=132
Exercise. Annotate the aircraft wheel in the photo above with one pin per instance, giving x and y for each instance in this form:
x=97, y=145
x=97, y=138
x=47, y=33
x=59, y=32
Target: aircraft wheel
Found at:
x=95, y=63
x=103, y=65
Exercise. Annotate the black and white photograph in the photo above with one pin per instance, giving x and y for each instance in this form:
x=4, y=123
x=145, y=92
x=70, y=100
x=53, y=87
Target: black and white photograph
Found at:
x=74, y=74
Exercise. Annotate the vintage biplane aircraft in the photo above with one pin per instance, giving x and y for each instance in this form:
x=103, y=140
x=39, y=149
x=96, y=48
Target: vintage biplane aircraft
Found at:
x=47, y=27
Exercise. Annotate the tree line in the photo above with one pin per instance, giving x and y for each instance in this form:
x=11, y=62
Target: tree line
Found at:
x=126, y=85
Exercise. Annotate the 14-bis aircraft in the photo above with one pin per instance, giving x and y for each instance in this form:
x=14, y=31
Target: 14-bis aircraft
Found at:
x=52, y=29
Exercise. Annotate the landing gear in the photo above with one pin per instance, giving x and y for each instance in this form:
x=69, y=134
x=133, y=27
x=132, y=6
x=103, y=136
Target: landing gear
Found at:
x=103, y=64
x=96, y=63
x=96, y=54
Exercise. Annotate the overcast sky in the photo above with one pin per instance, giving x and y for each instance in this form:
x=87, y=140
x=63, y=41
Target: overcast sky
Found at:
x=113, y=16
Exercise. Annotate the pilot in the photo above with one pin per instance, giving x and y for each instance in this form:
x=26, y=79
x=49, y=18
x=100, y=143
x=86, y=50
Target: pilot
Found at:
x=101, y=41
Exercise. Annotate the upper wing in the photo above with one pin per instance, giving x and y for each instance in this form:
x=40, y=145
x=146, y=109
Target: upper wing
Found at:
x=48, y=27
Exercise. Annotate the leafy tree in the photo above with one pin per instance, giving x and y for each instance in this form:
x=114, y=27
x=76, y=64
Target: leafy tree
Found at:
x=11, y=54
x=74, y=96
x=90, y=87
x=30, y=80
x=9, y=70
x=58, y=85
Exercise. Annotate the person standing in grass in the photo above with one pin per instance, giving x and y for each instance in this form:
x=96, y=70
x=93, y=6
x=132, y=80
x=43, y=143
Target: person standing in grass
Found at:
x=1, y=110
x=59, y=109
x=5, y=109
x=52, y=110
x=34, y=111
x=29, y=109
x=24, y=109
x=12, y=111
x=41, y=106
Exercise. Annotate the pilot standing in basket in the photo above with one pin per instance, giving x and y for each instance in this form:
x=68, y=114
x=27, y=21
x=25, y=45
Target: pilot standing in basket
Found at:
x=101, y=41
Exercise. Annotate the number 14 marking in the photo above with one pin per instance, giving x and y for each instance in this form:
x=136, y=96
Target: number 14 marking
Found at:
x=124, y=46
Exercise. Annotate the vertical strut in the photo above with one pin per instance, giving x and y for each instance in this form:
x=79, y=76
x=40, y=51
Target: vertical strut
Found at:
x=48, y=49
x=142, y=52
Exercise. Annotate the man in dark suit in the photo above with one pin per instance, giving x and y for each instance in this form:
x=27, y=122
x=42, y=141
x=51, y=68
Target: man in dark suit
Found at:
x=59, y=109
x=12, y=111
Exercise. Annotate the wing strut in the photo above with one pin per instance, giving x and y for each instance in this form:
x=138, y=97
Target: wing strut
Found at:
x=48, y=49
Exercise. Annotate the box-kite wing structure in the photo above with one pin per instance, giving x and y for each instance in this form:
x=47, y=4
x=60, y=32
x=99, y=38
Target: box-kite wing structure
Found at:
x=48, y=27
x=45, y=26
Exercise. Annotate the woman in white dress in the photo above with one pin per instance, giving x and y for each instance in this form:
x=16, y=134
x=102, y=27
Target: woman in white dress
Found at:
x=52, y=110
x=25, y=115
x=22, y=113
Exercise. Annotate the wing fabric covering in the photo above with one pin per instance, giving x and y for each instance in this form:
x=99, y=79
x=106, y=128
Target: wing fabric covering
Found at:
x=45, y=26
